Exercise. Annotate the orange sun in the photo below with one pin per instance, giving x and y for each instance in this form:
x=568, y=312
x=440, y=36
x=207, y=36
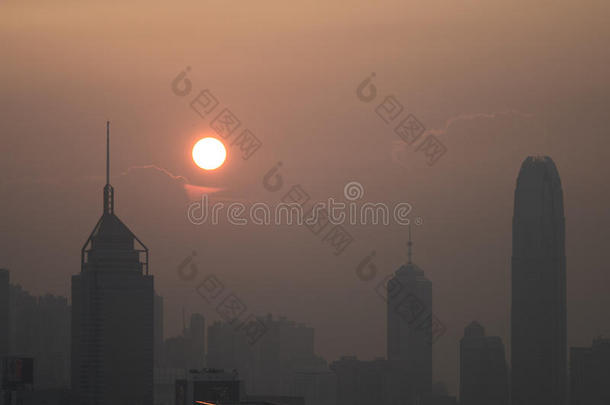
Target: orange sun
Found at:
x=209, y=153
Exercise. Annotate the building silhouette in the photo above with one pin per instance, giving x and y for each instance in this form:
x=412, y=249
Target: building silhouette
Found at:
x=317, y=385
x=112, y=314
x=270, y=363
x=159, y=329
x=538, y=310
x=409, y=346
x=209, y=386
x=439, y=395
x=186, y=351
x=483, y=370
x=590, y=374
x=4, y=313
x=196, y=334
x=362, y=382
x=40, y=329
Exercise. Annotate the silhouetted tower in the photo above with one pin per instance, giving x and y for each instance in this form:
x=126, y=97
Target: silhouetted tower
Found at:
x=538, y=312
x=483, y=370
x=409, y=344
x=112, y=313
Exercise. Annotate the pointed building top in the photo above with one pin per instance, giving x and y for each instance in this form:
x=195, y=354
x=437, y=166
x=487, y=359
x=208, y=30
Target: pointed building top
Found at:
x=111, y=238
x=410, y=267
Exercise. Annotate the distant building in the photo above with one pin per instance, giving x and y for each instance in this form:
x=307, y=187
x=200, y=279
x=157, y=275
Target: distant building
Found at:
x=5, y=324
x=538, y=308
x=196, y=335
x=176, y=352
x=112, y=315
x=483, y=370
x=40, y=329
x=209, y=386
x=165, y=384
x=439, y=396
x=52, y=357
x=267, y=364
x=590, y=374
x=318, y=386
x=409, y=303
x=159, y=329
x=186, y=351
x=370, y=382
x=228, y=349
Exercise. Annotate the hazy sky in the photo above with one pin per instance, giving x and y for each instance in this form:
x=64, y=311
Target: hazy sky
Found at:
x=496, y=81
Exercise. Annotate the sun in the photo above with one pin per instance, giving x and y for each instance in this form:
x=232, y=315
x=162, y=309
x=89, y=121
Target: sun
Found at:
x=209, y=153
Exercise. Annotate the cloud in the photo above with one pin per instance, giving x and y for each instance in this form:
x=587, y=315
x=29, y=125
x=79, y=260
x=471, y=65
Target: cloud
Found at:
x=400, y=149
x=193, y=191
x=157, y=168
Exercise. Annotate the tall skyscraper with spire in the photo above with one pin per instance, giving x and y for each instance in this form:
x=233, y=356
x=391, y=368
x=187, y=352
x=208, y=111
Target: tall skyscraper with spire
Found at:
x=408, y=344
x=538, y=310
x=112, y=313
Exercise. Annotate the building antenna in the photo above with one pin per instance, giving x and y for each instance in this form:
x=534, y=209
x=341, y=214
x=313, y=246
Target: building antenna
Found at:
x=108, y=190
x=107, y=152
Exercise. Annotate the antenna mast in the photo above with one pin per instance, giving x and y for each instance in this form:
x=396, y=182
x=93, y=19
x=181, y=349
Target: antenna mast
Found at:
x=107, y=152
x=108, y=190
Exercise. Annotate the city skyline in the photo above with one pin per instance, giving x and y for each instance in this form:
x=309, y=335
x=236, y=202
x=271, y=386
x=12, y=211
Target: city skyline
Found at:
x=393, y=306
x=426, y=110
x=538, y=195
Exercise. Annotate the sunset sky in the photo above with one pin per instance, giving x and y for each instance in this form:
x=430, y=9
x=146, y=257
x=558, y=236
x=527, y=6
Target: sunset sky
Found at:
x=494, y=81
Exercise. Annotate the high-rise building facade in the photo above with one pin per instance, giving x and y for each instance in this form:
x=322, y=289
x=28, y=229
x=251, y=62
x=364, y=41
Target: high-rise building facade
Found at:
x=409, y=345
x=112, y=316
x=159, y=330
x=483, y=370
x=538, y=310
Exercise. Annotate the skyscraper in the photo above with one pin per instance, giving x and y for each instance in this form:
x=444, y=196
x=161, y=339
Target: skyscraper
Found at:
x=112, y=314
x=159, y=330
x=538, y=311
x=408, y=344
x=483, y=371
